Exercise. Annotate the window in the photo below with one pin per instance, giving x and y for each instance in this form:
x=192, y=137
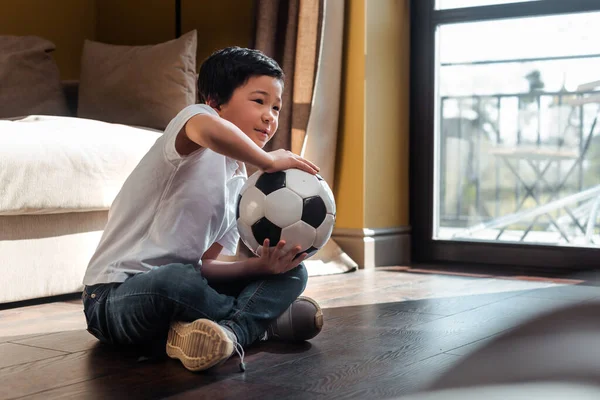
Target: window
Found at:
x=505, y=130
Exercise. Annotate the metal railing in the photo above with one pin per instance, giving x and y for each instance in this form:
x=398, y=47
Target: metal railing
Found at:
x=469, y=198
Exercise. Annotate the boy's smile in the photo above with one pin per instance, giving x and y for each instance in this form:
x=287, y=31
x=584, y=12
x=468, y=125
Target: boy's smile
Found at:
x=254, y=108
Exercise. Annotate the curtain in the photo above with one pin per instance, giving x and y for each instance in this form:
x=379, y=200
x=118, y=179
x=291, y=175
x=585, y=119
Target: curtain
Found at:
x=289, y=32
x=306, y=38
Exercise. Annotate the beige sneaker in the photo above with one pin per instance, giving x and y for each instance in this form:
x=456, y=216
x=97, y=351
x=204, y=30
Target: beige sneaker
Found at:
x=200, y=344
x=303, y=320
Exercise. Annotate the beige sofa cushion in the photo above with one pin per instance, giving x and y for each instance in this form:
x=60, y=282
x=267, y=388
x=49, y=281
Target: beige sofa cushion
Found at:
x=138, y=85
x=53, y=165
x=29, y=78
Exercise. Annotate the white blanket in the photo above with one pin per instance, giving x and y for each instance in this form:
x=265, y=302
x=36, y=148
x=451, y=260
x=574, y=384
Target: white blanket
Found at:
x=62, y=164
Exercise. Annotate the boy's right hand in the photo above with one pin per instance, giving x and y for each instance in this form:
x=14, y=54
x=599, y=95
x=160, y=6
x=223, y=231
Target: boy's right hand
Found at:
x=284, y=159
x=275, y=260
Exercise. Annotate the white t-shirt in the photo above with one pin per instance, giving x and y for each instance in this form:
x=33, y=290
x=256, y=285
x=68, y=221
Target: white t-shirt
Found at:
x=171, y=209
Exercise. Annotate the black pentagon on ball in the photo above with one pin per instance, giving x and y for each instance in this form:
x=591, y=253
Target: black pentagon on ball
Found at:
x=319, y=177
x=237, y=207
x=270, y=182
x=311, y=252
x=314, y=211
x=265, y=229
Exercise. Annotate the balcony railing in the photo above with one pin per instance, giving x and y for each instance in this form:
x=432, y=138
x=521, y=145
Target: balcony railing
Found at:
x=490, y=172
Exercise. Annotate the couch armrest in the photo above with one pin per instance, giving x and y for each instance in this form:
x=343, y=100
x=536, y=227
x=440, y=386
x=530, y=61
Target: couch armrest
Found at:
x=71, y=91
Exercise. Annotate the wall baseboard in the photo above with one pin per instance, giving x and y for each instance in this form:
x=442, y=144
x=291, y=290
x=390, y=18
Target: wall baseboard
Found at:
x=378, y=247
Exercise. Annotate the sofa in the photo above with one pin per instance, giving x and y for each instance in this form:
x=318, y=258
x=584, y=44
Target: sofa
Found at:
x=66, y=147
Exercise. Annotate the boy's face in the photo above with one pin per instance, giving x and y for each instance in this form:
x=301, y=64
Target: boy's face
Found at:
x=254, y=108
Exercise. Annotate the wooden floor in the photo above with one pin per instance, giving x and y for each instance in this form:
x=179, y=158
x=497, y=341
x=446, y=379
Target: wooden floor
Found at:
x=388, y=332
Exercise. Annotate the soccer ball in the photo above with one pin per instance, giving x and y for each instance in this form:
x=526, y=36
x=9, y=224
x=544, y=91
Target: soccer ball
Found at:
x=290, y=205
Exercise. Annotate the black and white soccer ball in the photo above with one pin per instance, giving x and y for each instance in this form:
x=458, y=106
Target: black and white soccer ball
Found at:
x=290, y=205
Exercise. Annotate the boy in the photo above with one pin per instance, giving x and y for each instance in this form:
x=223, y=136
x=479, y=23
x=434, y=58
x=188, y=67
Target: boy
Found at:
x=155, y=278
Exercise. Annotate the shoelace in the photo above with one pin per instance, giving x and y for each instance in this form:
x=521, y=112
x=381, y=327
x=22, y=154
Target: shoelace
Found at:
x=236, y=346
x=240, y=352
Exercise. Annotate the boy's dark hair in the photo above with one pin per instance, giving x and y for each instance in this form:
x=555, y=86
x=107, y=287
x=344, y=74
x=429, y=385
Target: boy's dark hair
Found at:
x=227, y=69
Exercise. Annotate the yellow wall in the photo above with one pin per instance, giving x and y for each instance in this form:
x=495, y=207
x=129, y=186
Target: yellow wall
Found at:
x=64, y=22
x=372, y=164
x=221, y=24
x=135, y=22
x=387, y=112
x=67, y=23
x=139, y=22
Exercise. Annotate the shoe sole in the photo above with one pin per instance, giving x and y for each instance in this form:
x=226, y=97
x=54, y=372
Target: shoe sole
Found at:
x=199, y=345
x=318, y=314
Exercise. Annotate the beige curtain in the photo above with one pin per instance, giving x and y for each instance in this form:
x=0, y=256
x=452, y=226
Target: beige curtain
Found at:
x=320, y=140
x=306, y=38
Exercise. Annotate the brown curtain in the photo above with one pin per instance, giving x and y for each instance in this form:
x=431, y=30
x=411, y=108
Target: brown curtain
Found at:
x=288, y=31
x=306, y=38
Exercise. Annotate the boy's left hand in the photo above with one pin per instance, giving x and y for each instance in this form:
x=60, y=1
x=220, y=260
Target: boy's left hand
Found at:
x=275, y=260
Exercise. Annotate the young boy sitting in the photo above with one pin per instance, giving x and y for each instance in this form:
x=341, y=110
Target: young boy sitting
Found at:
x=155, y=278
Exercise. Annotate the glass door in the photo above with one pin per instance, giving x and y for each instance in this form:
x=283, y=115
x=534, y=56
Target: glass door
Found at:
x=505, y=132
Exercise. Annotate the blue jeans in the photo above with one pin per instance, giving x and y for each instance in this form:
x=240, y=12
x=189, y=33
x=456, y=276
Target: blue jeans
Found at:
x=140, y=310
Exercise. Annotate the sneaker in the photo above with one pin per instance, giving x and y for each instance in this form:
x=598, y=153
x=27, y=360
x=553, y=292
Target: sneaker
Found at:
x=202, y=344
x=303, y=320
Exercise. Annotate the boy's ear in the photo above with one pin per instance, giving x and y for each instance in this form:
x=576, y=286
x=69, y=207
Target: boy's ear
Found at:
x=213, y=103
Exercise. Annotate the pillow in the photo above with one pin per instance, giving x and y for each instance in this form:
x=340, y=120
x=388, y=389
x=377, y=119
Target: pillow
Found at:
x=138, y=85
x=29, y=78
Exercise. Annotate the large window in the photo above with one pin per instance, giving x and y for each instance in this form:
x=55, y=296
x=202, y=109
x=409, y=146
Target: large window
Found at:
x=505, y=131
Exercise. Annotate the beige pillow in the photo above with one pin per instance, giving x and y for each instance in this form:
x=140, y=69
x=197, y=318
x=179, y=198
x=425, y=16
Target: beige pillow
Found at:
x=29, y=78
x=138, y=85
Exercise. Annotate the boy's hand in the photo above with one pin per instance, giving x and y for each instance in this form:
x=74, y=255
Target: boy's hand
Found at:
x=274, y=260
x=284, y=159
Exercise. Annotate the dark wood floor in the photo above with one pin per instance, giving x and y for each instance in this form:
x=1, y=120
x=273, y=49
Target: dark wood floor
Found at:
x=388, y=332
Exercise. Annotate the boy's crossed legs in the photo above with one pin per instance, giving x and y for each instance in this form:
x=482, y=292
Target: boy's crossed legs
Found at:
x=141, y=311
